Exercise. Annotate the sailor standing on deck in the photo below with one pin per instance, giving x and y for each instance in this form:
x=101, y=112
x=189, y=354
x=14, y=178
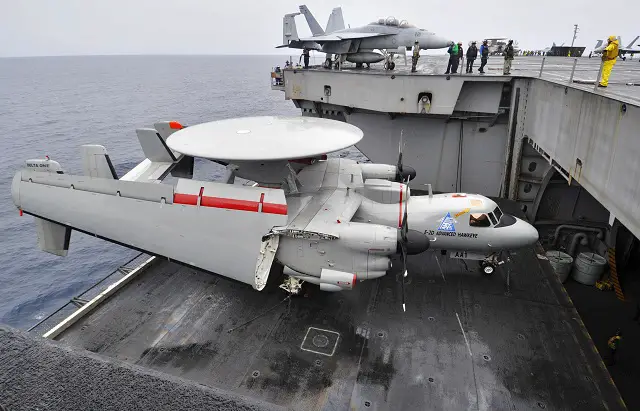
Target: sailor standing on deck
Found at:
x=609, y=56
x=460, y=56
x=305, y=54
x=452, y=67
x=613, y=346
x=508, y=58
x=415, y=56
x=472, y=54
x=484, y=56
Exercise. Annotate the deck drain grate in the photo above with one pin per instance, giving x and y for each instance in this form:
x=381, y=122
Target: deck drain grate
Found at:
x=255, y=374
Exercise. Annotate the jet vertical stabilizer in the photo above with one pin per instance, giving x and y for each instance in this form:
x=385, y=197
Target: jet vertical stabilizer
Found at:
x=336, y=22
x=52, y=237
x=289, y=30
x=632, y=42
x=96, y=162
x=315, y=28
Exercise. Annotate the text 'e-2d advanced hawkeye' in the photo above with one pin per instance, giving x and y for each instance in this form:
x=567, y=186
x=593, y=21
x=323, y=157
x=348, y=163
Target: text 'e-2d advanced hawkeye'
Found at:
x=328, y=221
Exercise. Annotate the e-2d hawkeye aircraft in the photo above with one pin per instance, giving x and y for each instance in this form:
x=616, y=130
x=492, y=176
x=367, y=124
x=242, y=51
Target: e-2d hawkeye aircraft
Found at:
x=328, y=221
x=357, y=44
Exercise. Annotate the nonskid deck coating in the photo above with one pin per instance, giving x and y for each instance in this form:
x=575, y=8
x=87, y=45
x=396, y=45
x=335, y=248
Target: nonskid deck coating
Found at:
x=466, y=341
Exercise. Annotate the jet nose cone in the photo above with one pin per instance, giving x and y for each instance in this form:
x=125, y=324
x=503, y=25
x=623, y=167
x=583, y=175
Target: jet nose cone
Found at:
x=437, y=42
x=527, y=234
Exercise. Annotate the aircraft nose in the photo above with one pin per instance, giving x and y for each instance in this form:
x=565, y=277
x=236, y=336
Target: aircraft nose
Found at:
x=527, y=234
x=437, y=42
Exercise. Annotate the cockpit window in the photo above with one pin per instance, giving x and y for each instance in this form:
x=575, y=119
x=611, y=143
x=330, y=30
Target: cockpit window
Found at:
x=498, y=213
x=479, y=220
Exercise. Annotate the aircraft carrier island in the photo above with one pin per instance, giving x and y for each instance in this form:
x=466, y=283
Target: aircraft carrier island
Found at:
x=437, y=332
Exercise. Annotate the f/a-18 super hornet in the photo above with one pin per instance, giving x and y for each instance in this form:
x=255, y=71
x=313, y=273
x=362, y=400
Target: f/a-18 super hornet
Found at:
x=622, y=51
x=358, y=44
x=328, y=221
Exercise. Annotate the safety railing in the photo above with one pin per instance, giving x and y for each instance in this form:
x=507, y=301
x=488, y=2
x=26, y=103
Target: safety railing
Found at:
x=80, y=300
x=585, y=65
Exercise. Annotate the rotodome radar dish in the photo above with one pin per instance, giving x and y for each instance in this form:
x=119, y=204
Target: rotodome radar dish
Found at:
x=264, y=138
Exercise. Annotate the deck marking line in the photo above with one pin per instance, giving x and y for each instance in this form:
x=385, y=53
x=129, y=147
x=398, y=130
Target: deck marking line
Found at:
x=441, y=272
x=464, y=334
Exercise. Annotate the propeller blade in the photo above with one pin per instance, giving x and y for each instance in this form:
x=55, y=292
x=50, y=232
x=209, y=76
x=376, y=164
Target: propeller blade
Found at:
x=399, y=169
x=403, y=250
x=405, y=225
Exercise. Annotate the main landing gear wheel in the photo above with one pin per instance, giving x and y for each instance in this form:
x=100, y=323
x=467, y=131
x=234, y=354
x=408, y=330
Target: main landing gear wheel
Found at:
x=487, y=268
x=390, y=65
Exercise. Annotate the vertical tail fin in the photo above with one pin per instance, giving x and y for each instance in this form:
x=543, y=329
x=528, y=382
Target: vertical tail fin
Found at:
x=598, y=45
x=619, y=41
x=336, y=22
x=634, y=40
x=96, y=162
x=289, y=30
x=316, y=30
x=53, y=238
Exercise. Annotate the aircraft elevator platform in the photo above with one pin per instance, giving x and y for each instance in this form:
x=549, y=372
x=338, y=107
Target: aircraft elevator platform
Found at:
x=467, y=341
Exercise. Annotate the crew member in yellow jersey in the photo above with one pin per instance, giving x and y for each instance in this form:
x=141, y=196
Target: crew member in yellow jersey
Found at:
x=613, y=346
x=609, y=56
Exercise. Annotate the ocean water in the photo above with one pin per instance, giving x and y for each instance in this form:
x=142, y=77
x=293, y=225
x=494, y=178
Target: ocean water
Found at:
x=52, y=105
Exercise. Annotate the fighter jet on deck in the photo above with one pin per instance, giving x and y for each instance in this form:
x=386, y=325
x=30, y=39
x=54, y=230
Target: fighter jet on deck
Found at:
x=357, y=44
x=622, y=51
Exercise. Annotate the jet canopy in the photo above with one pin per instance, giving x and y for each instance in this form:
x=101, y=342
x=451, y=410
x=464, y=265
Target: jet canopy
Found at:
x=392, y=21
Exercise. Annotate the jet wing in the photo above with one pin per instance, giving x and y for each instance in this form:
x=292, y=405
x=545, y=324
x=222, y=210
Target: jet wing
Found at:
x=342, y=36
x=327, y=196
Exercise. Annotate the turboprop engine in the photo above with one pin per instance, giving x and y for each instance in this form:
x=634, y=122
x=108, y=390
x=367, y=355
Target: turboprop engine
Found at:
x=361, y=252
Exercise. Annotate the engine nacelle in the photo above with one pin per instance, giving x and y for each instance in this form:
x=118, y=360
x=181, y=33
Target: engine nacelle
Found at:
x=385, y=191
x=361, y=250
x=367, y=238
x=365, y=57
x=383, y=171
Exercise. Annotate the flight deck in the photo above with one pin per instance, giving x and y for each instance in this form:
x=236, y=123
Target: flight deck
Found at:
x=512, y=340
x=624, y=83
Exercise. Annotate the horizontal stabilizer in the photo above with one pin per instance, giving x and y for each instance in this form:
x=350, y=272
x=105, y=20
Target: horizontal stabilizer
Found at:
x=96, y=162
x=53, y=237
x=154, y=146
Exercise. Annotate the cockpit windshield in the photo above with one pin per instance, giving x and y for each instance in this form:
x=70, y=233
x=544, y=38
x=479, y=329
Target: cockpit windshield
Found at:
x=497, y=213
x=392, y=21
x=479, y=220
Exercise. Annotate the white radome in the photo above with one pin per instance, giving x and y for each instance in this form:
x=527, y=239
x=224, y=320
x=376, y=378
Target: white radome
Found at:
x=264, y=138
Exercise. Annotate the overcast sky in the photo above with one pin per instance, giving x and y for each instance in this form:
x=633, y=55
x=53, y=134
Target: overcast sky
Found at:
x=77, y=27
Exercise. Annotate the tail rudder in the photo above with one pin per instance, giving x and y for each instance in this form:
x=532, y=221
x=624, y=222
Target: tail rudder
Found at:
x=315, y=28
x=633, y=42
x=289, y=30
x=336, y=21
